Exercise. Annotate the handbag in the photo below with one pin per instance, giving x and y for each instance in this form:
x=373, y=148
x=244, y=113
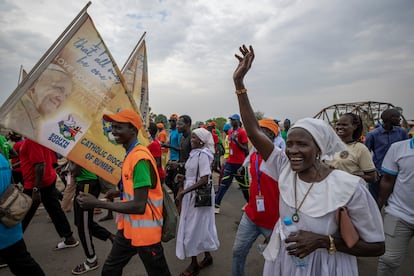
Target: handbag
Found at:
x=170, y=217
x=347, y=229
x=14, y=205
x=203, y=193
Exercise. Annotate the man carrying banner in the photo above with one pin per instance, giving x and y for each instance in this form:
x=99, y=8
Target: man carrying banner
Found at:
x=46, y=95
x=140, y=210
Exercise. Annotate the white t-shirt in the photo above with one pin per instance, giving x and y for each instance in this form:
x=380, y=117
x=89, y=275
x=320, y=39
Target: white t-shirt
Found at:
x=399, y=161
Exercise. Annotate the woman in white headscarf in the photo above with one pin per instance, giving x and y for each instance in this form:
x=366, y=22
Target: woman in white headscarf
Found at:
x=310, y=194
x=197, y=228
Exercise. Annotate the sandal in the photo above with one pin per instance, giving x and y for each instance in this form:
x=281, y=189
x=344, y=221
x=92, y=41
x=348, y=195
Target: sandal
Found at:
x=66, y=244
x=191, y=270
x=85, y=267
x=205, y=262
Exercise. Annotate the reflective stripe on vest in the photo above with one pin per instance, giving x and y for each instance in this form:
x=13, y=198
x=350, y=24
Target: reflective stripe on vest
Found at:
x=141, y=223
x=142, y=229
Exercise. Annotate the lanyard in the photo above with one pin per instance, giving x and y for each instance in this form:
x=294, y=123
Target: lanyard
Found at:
x=121, y=184
x=258, y=172
x=234, y=132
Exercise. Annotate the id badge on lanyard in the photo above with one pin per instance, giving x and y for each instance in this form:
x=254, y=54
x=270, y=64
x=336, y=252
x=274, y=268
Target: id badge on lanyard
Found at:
x=260, y=206
x=260, y=203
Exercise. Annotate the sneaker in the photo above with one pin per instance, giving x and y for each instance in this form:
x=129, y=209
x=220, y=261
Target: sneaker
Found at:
x=85, y=267
x=66, y=244
x=3, y=263
x=216, y=210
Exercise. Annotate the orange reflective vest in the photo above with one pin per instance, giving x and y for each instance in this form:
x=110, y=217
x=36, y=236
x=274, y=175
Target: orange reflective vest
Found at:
x=141, y=229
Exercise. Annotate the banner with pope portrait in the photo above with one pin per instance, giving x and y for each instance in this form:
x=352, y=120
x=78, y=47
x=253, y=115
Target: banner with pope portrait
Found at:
x=61, y=102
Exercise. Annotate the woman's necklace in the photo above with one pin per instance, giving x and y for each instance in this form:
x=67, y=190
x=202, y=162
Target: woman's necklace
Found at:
x=295, y=216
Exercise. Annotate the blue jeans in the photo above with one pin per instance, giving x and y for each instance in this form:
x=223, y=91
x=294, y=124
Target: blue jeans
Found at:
x=246, y=235
x=398, y=234
x=230, y=171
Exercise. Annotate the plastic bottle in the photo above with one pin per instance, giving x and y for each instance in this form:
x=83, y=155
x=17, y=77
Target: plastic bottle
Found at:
x=291, y=229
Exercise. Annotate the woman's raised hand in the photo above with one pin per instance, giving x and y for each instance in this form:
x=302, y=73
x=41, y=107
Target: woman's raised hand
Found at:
x=245, y=62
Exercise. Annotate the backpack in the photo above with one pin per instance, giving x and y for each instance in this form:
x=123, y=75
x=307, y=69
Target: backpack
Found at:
x=170, y=216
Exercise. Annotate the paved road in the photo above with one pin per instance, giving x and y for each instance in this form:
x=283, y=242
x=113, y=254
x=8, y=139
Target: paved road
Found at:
x=41, y=238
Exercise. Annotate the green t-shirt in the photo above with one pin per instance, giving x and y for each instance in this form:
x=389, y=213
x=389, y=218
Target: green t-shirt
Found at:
x=86, y=175
x=283, y=133
x=143, y=174
x=5, y=147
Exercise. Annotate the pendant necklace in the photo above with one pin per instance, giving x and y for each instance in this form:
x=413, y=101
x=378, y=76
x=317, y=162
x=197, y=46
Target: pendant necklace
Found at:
x=295, y=216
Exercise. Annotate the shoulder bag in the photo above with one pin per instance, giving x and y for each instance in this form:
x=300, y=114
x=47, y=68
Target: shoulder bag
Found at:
x=203, y=193
x=170, y=217
x=14, y=204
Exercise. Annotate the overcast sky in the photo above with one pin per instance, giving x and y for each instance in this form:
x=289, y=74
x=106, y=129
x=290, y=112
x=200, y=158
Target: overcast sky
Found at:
x=309, y=54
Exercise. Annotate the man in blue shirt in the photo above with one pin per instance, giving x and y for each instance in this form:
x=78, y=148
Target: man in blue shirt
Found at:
x=174, y=146
x=12, y=246
x=380, y=139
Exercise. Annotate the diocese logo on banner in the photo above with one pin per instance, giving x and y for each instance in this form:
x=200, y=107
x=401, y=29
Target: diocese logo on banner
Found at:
x=69, y=129
x=61, y=101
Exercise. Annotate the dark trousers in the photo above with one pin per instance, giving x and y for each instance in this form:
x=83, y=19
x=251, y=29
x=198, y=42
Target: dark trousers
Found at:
x=122, y=251
x=19, y=260
x=230, y=171
x=375, y=187
x=51, y=203
x=169, y=181
x=87, y=227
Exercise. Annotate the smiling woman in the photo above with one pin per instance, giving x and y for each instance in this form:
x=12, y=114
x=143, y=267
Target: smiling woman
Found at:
x=356, y=159
x=310, y=193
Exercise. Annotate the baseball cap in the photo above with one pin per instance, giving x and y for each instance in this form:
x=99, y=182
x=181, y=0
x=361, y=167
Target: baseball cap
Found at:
x=212, y=124
x=125, y=116
x=269, y=124
x=226, y=127
x=173, y=117
x=235, y=117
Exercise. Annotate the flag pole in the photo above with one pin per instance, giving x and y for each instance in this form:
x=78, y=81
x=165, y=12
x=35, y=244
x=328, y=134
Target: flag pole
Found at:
x=45, y=60
x=133, y=51
x=20, y=74
x=58, y=40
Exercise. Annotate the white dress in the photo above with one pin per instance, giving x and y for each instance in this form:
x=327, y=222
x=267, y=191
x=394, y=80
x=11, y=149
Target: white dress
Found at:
x=317, y=215
x=197, y=231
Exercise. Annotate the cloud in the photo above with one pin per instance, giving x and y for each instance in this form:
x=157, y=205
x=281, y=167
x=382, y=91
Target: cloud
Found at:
x=309, y=54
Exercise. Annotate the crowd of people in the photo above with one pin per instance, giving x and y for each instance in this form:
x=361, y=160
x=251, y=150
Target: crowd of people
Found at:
x=305, y=174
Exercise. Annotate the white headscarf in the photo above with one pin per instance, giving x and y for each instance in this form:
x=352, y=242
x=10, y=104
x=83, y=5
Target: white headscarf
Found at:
x=324, y=135
x=206, y=137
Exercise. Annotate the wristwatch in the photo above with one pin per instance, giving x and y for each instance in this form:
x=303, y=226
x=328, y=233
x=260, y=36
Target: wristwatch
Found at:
x=35, y=189
x=332, y=248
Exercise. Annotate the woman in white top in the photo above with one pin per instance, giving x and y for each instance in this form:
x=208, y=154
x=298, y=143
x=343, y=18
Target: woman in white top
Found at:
x=310, y=193
x=197, y=231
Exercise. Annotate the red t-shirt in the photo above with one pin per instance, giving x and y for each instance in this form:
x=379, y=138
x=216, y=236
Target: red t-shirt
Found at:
x=269, y=190
x=32, y=153
x=236, y=154
x=215, y=136
x=155, y=149
x=16, y=159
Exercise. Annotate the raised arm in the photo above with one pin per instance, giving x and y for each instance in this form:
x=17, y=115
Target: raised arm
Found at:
x=260, y=141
